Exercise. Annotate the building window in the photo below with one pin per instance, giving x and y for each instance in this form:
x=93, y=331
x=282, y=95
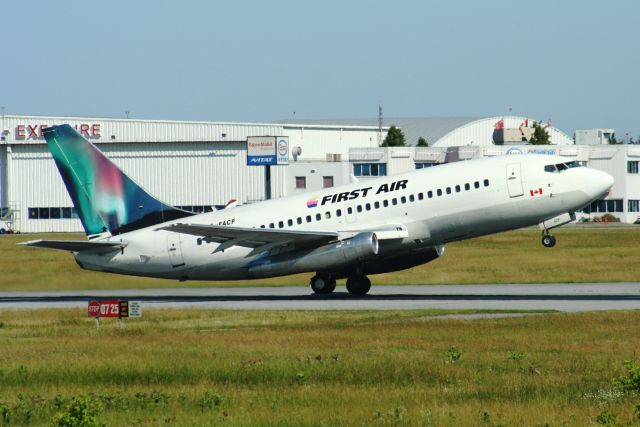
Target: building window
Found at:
x=327, y=181
x=301, y=182
x=370, y=169
x=422, y=165
x=632, y=166
x=634, y=205
x=604, y=206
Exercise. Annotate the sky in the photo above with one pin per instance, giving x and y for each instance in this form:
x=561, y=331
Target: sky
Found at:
x=574, y=62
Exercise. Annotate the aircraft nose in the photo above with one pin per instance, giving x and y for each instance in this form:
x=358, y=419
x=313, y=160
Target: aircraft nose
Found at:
x=599, y=183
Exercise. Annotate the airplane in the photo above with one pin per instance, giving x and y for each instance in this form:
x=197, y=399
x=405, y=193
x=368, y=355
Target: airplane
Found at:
x=373, y=226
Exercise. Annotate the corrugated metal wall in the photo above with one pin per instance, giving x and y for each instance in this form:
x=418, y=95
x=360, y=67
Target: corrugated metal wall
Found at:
x=177, y=173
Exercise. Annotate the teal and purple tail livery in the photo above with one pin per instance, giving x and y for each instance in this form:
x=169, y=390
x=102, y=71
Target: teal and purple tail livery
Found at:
x=106, y=199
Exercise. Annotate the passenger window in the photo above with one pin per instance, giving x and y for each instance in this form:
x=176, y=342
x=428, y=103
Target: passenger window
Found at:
x=280, y=224
x=327, y=215
x=430, y=194
x=403, y=199
x=486, y=182
x=439, y=192
x=448, y=190
x=318, y=217
x=359, y=208
x=394, y=201
x=289, y=222
x=411, y=198
x=367, y=206
x=308, y=218
x=271, y=225
x=349, y=210
x=339, y=212
x=262, y=226
x=476, y=184
x=376, y=205
x=467, y=187
x=457, y=188
x=385, y=203
x=420, y=196
x=299, y=220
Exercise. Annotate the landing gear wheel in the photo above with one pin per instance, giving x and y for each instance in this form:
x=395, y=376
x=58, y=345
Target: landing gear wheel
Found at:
x=358, y=285
x=322, y=284
x=548, y=241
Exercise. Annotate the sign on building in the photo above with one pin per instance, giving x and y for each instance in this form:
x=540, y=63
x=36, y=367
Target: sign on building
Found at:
x=267, y=150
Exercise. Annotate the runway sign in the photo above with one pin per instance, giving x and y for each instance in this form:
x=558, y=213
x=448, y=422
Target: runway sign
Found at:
x=114, y=308
x=94, y=309
x=135, y=309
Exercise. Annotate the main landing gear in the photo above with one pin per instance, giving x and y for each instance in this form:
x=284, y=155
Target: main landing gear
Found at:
x=323, y=284
x=548, y=241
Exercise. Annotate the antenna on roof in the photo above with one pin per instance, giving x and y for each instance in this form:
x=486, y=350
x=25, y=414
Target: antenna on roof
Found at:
x=379, y=125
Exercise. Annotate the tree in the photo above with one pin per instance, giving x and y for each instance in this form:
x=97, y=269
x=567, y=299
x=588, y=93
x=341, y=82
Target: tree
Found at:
x=422, y=142
x=540, y=135
x=394, y=138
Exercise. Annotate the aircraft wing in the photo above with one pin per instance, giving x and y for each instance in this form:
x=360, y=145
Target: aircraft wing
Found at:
x=261, y=239
x=76, y=245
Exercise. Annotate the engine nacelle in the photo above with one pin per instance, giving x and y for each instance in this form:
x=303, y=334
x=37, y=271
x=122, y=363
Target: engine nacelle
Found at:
x=333, y=256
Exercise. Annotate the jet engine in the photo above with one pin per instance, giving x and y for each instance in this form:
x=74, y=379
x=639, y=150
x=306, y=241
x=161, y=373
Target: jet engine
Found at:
x=333, y=256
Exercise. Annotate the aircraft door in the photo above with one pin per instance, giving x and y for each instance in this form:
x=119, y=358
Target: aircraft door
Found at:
x=350, y=213
x=174, y=249
x=514, y=180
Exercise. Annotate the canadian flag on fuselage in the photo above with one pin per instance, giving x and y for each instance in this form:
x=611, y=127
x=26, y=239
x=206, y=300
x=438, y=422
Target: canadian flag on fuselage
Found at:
x=537, y=192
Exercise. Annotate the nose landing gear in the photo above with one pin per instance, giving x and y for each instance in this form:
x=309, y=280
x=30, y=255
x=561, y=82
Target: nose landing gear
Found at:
x=548, y=241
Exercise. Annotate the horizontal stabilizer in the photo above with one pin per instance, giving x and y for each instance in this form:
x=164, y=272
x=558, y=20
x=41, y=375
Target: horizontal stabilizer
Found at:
x=76, y=245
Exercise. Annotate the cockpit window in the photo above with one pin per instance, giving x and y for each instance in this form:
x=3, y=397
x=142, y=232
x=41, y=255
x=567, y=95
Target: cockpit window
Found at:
x=575, y=164
x=559, y=167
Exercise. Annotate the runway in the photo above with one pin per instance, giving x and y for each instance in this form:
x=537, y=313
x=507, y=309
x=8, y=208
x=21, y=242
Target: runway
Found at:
x=561, y=297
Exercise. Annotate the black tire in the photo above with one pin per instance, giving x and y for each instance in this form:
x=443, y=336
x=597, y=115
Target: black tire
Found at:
x=2, y=231
x=548, y=241
x=322, y=284
x=358, y=285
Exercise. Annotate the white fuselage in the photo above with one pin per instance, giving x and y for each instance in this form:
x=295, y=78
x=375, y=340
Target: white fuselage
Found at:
x=447, y=203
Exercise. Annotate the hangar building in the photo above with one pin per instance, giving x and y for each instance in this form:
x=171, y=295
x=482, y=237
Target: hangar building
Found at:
x=203, y=165
x=195, y=165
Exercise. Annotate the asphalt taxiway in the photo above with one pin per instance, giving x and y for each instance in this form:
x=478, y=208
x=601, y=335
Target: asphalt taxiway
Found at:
x=561, y=297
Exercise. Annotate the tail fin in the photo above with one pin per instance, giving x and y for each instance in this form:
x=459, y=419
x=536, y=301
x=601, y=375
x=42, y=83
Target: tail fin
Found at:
x=105, y=198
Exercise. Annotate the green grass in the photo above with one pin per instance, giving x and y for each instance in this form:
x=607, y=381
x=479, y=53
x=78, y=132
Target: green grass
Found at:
x=581, y=255
x=207, y=367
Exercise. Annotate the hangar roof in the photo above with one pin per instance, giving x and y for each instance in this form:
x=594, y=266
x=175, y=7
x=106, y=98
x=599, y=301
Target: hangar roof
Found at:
x=435, y=129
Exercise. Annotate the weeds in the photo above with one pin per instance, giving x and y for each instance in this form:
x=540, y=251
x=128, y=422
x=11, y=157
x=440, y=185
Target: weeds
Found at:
x=453, y=355
x=82, y=411
x=631, y=381
x=606, y=418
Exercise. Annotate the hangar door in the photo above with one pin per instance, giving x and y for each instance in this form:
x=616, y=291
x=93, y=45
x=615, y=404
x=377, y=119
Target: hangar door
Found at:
x=514, y=180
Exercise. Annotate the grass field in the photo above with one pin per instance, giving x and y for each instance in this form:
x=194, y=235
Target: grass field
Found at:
x=581, y=255
x=310, y=368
